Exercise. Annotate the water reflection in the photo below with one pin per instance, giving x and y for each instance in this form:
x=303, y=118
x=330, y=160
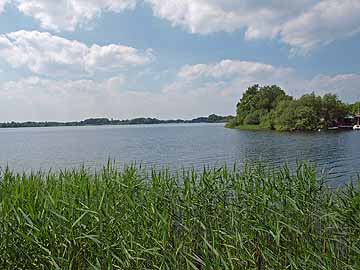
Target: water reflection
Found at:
x=177, y=146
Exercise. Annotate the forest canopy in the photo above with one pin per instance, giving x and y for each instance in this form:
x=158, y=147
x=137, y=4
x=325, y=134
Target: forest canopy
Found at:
x=269, y=107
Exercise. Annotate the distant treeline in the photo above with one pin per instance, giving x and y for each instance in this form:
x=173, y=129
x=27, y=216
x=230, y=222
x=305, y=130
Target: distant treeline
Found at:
x=269, y=107
x=105, y=121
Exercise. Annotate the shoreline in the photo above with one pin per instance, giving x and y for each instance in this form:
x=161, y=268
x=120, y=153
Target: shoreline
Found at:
x=248, y=127
x=113, y=125
x=213, y=118
x=259, y=128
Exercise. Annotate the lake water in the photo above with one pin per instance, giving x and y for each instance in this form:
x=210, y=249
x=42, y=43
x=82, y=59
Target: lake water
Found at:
x=177, y=146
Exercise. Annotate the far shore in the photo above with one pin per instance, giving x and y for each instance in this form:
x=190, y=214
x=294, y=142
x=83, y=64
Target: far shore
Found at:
x=213, y=118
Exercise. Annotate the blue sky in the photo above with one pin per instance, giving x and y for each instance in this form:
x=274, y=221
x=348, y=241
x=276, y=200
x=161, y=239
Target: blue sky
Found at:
x=72, y=59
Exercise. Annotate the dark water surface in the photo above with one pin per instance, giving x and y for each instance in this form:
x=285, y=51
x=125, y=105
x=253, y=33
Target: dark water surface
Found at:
x=177, y=146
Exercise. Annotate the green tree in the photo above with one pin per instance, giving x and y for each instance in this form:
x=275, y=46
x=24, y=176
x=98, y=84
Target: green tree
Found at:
x=306, y=118
x=257, y=102
x=332, y=109
x=269, y=97
x=284, y=116
x=354, y=108
x=270, y=107
x=247, y=103
x=253, y=118
x=312, y=101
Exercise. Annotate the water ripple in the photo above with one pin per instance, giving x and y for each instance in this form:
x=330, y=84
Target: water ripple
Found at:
x=178, y=146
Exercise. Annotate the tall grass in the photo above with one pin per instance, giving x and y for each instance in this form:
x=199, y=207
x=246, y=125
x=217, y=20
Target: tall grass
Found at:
x=223, y=218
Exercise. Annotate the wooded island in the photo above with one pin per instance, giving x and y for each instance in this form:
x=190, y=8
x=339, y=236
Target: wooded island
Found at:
x=269, y=107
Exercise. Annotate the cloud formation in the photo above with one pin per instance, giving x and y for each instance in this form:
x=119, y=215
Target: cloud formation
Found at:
x=43, y=53
x=259, y=18
x=38, y=98
x=196, y=90
x=301, y=24
x=69, y=14
x=345, y=85
x=46, y=99
x=57, y=90
x=2, y=5
x=231, y=68
x=324, y=23
x=230, y=78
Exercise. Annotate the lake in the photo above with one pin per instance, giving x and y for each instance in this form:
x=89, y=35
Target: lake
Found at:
x=177, y=146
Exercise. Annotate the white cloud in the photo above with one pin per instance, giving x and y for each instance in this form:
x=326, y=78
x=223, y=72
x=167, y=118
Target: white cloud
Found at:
x=228, y=79
x=259, y=18
x=69, y=14
x=196, y=91
x=324, y=23
x=231, y=77
x=35, y=98
x=115, y=56
x=302, y=24
x=228, y=68
x=347, y=86
x=43, y=53
x=2, y=5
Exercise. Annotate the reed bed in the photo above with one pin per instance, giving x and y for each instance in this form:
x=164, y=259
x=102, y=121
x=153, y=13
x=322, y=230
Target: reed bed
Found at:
x=224, y=218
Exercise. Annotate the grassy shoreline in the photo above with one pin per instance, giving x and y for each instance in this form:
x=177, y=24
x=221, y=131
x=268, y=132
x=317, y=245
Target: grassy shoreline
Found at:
x=247, y=127
x=219, y=219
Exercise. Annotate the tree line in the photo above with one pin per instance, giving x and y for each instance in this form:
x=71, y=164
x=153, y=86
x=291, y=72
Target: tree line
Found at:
x=269, y=107
x=213, y=118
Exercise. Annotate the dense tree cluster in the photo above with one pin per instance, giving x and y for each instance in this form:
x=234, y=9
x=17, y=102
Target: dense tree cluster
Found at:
x=355, y=108
x=270, y=107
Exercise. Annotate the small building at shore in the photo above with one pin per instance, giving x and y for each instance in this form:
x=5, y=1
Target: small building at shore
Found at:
x=348, y=122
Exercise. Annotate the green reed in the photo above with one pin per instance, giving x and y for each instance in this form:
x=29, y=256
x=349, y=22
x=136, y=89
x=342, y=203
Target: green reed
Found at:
x=253, y=218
